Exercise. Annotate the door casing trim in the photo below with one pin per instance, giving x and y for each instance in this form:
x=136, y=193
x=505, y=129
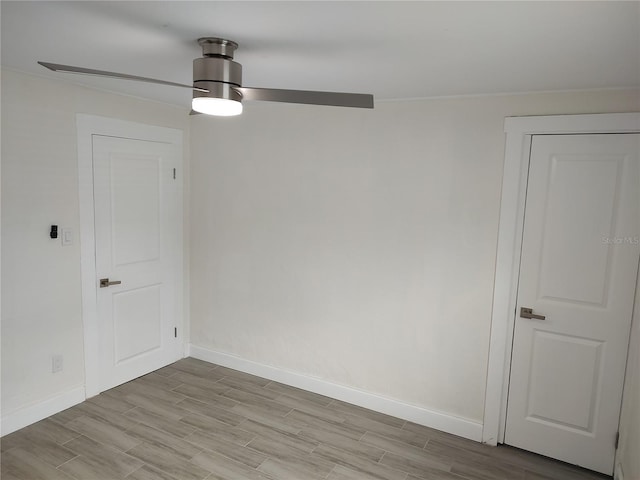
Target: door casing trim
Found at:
x=519, y=131
x=87, y=126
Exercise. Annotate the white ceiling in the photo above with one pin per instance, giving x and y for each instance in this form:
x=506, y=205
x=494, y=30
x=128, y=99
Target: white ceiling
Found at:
x=391, y=49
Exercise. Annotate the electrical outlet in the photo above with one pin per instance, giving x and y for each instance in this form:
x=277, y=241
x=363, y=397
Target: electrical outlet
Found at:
x=56, y=363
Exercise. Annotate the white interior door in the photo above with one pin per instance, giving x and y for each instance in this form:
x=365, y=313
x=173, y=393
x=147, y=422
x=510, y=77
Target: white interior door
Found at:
x=578, y=269
x=138, y=232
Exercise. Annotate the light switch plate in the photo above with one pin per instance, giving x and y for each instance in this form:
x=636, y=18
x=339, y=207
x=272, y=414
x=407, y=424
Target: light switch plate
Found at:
x=67, y=237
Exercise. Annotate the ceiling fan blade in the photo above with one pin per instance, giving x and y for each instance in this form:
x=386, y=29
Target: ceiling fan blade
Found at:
x=336, y=99
x=122, y=76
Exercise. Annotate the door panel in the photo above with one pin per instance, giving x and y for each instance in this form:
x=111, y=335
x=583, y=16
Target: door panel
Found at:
x=579, y=263
x=137, y=227
x=578, y=375
x=137, y=322
x=135, y=217
x=571, y=270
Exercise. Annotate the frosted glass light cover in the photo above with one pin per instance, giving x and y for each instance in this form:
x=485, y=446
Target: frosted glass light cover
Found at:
x=216, y=106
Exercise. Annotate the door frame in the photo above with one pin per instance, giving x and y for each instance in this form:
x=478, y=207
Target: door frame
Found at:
x=87, y=126
x=519, y=132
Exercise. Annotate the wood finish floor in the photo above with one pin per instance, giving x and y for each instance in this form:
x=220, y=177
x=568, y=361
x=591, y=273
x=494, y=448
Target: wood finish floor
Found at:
x=194, y=420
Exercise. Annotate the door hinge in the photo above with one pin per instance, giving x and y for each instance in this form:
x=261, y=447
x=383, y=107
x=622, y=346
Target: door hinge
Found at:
x=174, y=173
x=617, y=440
x=175, y=332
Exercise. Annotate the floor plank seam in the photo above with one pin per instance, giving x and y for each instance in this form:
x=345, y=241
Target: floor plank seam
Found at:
x=58, y=467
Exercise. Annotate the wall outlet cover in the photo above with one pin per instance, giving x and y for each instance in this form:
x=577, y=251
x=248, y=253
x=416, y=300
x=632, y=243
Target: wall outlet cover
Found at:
x=56, y=363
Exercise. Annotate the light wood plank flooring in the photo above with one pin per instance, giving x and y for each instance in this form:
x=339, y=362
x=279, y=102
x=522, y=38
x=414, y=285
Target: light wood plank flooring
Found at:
x=194, y=420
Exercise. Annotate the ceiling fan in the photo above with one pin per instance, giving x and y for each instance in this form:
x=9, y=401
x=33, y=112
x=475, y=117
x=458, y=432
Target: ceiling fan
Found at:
x=217, y=83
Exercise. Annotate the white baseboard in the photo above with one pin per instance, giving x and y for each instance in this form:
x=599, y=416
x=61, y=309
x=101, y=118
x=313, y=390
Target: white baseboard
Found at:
x=618, y=474
x=37, y=411
x=429, y=418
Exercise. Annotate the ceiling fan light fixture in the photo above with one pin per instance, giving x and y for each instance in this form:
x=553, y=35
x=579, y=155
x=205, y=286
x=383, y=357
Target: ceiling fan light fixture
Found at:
x=220, y=77
x=221, y=107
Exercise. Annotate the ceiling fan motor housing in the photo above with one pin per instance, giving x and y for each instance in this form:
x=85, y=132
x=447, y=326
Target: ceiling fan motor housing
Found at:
x=216, y=71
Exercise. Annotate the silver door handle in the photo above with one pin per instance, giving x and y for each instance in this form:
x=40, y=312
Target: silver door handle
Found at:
x=528, y=313
x=104, y=282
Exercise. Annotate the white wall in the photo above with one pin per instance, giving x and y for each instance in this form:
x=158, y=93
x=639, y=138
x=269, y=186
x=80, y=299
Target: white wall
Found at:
x=358, y=247
x=629, y=448
x=41, y=307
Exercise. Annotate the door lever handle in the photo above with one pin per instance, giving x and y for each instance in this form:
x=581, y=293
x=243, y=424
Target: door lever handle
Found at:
x=528, y=313
x=104, y=282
